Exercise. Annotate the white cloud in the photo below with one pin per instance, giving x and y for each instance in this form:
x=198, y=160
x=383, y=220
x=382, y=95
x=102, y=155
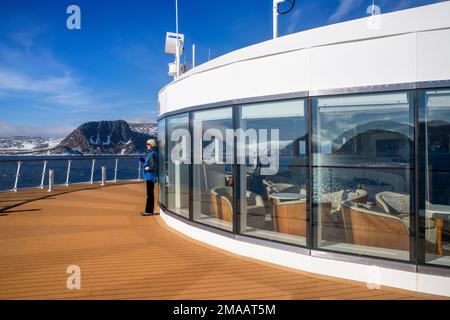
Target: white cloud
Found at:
x=403, y=4
x=294, y=21
x=17, y=81
x=49, y=84
x=34, y=79
x=50, y=131
x=344, y=8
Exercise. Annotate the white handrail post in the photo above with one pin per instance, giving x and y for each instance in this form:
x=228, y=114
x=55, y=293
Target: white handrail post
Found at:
x=103, y=176
x=50, y=180
x=19, y=163
x=139, y=171
x=43, y=174
x=115, y=170
x=69, y=163
x=92, y=171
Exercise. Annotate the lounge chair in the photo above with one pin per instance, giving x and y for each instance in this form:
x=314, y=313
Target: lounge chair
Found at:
x=393, y=202
x=290, y=217
x=222, y=200
x=370, y=226
x=330, y=208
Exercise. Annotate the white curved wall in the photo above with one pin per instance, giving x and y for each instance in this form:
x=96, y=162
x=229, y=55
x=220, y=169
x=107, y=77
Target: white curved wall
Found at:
x=411, y=46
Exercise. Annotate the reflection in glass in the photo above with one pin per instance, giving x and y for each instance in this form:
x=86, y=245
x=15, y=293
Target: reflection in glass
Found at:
x=177, y=178
x=362, y=157
x=213, y=177
x=435, y=213
x=274, y=206
x=162, y=161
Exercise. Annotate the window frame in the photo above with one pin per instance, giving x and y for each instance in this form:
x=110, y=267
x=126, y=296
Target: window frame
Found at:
x=417, y=257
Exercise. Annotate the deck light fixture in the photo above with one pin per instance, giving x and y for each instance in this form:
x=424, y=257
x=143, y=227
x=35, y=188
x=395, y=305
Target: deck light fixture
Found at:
x=276, y=12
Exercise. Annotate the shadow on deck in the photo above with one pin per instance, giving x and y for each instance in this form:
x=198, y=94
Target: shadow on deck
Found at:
x=126, y=256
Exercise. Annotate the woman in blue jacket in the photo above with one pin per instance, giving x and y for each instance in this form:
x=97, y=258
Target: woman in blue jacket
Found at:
x=150, y=174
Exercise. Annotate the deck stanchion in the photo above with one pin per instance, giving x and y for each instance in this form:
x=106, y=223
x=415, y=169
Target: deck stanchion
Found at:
x=50, y=180
x=103, y=176
x=69, y=163
x=139, y=171
x=115, y=170
x=44, y=168
x=92, y=171
x=19, y=163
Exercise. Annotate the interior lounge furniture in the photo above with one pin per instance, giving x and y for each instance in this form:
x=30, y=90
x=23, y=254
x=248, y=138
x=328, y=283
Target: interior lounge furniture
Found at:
x=436, y=216
x=393, y=202
x=335, y=200
x=370, y=225
x=399, y=204
x=285, y=196
x=330, y=205
x=289, y=217
x=282, y=187
x=221, y=198
x=278, y=186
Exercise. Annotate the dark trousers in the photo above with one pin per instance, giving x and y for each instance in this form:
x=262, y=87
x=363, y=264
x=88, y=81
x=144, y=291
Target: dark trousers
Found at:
x=150, y=197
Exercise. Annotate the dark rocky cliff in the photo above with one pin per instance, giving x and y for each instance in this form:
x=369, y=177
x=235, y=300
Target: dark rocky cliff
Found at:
x=103, y=137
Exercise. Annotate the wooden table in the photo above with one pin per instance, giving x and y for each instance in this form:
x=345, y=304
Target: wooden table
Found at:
x=286, y=196
x=440, y=214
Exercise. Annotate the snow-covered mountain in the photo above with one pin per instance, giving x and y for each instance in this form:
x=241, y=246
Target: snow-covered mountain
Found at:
x=96, y=137
x=103, y=137
x=27, y=145
x=145, y=128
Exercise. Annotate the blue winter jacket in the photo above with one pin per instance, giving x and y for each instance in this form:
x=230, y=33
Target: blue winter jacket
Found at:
x=151, y=156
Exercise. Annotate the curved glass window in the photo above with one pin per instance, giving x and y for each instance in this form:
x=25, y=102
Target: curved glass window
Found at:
x=435, y=187
x=177, y=177
x=213, y=168
x=363, y=148
x=273, y=192
x=162, y=161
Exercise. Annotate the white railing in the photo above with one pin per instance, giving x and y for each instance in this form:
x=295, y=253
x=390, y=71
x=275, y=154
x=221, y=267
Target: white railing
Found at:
x=50, y=162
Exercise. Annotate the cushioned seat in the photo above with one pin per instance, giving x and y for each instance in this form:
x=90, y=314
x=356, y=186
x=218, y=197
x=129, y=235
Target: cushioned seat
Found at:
x=330, y=205
x=371, y=226
x=222, y=200
x=393, y=202
x=290, y=217
x=336, y=198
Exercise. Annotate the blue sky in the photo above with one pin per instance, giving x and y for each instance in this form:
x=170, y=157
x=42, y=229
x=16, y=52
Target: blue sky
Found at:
x=53, y=79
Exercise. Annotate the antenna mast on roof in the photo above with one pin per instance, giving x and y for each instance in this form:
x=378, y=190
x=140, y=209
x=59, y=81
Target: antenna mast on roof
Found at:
x=174, y=45
x=178, y=42
x=276, y=12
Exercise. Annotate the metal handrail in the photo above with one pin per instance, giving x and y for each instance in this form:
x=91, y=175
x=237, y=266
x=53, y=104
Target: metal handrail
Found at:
x=15, y=158
x=47, y=159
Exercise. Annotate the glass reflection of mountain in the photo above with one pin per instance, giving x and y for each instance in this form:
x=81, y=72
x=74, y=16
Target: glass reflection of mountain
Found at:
x=438, y=137
x=375, y=139
x=296, y=147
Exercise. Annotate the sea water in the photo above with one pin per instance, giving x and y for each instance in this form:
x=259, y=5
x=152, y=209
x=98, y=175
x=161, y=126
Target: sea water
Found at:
x=32, y=168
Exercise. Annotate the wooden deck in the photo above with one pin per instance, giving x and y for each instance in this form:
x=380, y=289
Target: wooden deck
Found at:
x=126, y=256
